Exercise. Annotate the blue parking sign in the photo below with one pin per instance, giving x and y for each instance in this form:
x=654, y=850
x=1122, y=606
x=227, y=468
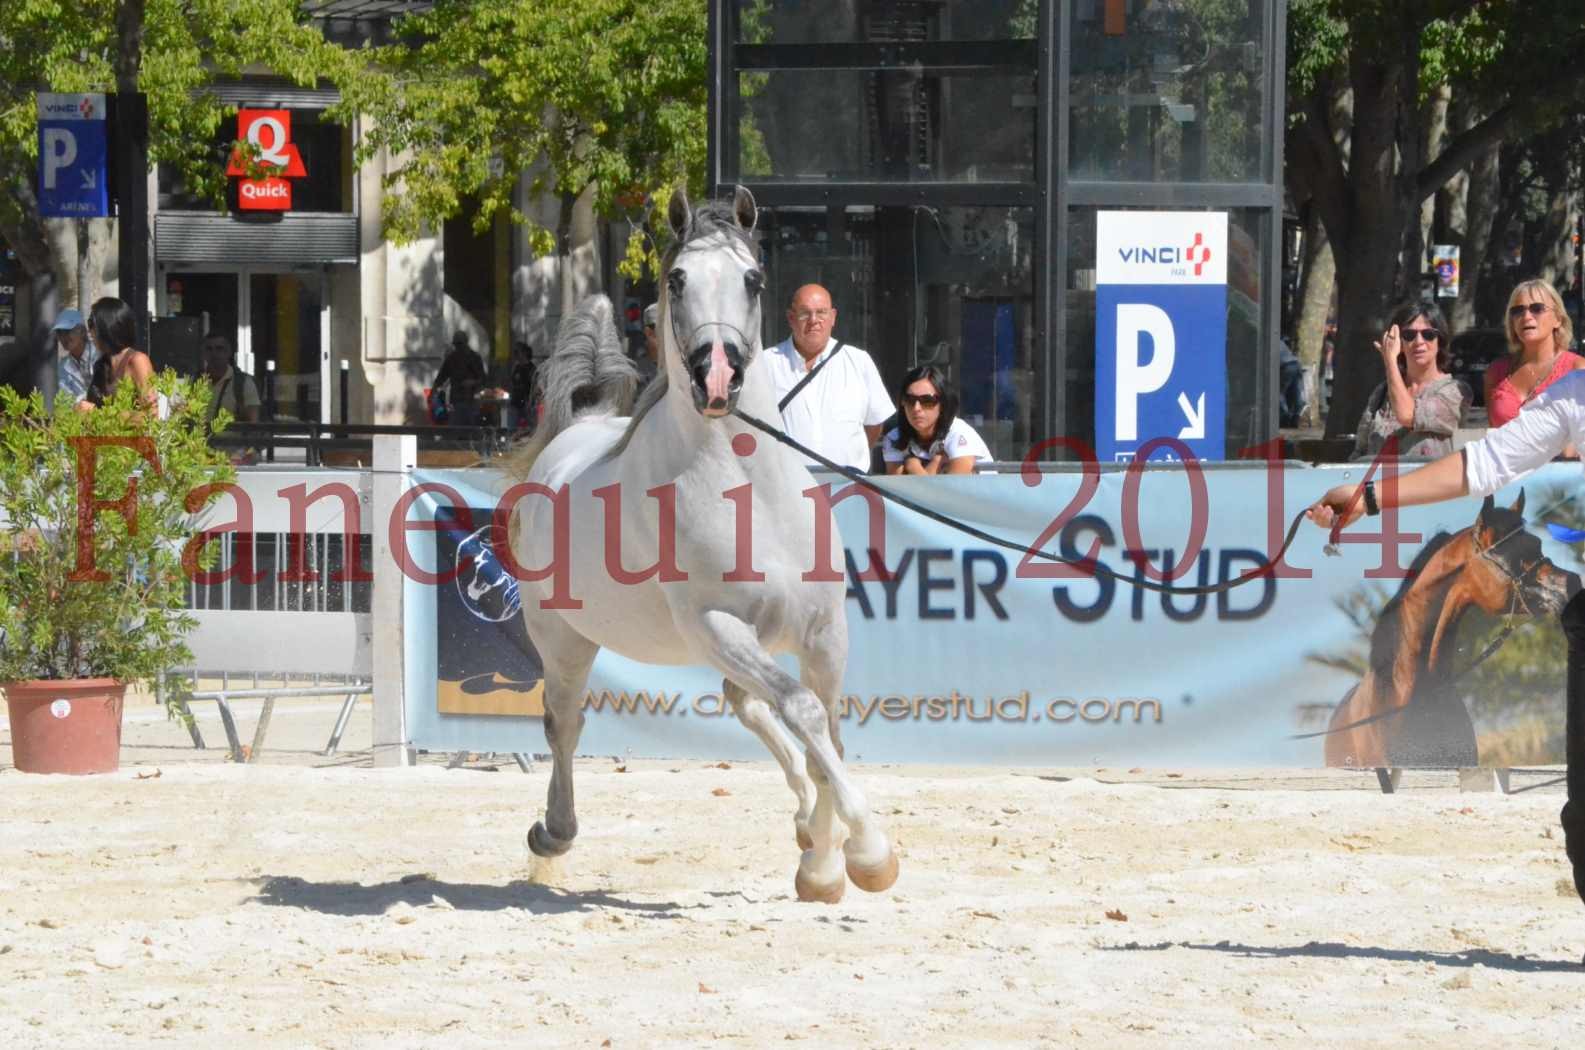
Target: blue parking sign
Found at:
x=73, y=151
x=1160, y=333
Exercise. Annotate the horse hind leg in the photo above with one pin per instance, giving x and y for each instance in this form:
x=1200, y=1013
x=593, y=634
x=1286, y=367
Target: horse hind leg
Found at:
x=567, y=656
x=733, y=647
x=872, y=867
x=761, y=720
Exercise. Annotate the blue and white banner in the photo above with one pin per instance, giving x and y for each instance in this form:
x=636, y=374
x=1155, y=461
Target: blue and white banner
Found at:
x=73, y=156
x=1160, y=333
x=963, y=652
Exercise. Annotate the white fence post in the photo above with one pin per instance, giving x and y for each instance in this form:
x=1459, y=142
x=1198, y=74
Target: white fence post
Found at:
x=395, y=455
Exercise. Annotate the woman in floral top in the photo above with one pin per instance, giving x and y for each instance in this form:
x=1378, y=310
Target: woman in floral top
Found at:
x=1419, y=404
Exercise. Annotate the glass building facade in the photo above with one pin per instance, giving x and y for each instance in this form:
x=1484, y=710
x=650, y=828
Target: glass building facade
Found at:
x=938, y=165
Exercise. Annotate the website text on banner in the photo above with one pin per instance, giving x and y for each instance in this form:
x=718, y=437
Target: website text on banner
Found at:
x=962, y=652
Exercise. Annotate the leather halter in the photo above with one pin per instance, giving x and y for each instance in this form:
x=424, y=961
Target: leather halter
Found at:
x=1517, y=581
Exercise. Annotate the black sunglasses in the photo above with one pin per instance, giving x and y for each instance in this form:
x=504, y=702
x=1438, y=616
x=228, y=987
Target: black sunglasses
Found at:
x=1430, y=335
x=922, y=400
x=1516, y=312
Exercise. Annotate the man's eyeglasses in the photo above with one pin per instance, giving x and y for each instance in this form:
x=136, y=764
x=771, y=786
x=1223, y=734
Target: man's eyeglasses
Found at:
x=1412, y=335
x=1537, y=309
x=805, y=316
x=922, y=400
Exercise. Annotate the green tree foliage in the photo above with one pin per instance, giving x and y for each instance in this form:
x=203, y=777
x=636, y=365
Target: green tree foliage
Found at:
x=1368, y=177
x=56, y=623
x=171, y=50
x=601, y=96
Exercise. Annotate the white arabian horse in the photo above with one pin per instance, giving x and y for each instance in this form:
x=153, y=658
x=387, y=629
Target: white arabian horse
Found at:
x=678, y=538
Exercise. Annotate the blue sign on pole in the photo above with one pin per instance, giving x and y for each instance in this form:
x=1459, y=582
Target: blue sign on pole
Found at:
x=1161, y=333
x=73, y=153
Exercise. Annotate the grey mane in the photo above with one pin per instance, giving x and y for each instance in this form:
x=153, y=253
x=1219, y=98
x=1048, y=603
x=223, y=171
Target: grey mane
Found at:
x=588, y=374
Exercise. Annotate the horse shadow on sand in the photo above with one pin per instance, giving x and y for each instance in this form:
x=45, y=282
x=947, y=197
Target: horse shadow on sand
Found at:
x=1471, y=957
x=352, y=898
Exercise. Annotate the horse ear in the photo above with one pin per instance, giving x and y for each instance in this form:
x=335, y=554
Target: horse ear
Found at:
x=1485, y=508
x=1518, y=504
x=678, y=214
x=744, y=209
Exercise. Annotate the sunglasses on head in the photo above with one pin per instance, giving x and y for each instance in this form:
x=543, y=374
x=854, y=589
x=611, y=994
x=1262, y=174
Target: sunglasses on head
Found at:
x=1430, y=335
x=1516, y=312
x=922, y=400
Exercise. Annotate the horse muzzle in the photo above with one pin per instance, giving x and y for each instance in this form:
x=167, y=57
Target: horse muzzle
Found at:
x=716, y=374
x=1551, y=590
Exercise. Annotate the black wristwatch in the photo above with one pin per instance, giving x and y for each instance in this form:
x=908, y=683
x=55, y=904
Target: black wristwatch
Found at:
x=1371, y=506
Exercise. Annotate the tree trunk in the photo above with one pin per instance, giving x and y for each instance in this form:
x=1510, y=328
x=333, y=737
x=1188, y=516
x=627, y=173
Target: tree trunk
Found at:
x=28, y=236
x=1381, y=208
x=1315, y=306
x=578, y=247
x=1431, y=144
x=1480, y=214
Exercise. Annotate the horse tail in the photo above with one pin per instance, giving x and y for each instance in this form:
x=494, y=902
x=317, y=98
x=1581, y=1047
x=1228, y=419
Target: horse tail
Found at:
x=586, y=375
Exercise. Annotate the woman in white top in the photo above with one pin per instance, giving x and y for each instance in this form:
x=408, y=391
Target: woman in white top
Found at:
x=929, y=438
x=1550, y=423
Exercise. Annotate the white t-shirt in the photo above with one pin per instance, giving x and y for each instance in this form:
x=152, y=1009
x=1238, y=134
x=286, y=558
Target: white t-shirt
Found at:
x=1530, y=439
x=960, y=440
x=830, y=414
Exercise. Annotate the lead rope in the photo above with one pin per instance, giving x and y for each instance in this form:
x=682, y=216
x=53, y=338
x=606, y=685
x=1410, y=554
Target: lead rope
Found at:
x=1094, y=568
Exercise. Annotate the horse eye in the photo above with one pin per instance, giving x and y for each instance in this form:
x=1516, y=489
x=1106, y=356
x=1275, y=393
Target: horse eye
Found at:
x=754, y=281
x=675, y=281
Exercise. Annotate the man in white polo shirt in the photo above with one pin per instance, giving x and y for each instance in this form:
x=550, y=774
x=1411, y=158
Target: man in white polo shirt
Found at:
x=838, y=413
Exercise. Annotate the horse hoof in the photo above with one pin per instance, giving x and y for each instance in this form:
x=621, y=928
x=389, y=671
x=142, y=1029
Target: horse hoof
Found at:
x=805, y=840
x=811, y=891
x=543, y=844
x=877, y=878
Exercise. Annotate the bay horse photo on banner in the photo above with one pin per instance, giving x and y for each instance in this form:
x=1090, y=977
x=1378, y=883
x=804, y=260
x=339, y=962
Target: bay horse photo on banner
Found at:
x=1409, y=709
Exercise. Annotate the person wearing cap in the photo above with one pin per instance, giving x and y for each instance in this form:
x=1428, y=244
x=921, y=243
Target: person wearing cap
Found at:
x=649, y=366
x=463, y=374
x=74, y=363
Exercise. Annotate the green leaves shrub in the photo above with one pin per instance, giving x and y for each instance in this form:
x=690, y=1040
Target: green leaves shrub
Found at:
x=55, y=620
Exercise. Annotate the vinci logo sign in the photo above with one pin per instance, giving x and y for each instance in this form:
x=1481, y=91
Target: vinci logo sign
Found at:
x=270, y=132
x=73, y=157
x=1161, y=332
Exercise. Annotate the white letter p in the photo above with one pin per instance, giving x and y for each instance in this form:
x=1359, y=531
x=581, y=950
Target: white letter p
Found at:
x=60, y=149
x=1135, y=377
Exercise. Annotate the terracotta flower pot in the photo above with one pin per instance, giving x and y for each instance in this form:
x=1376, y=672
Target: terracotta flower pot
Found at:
x=71, y=726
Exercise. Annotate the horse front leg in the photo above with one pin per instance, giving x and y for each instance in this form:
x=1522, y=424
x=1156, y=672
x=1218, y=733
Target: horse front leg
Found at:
x=567, y=656
x=732, y=646
x=761, y=720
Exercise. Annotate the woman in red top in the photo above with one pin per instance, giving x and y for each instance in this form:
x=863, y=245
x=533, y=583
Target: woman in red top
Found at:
x=1539, y=332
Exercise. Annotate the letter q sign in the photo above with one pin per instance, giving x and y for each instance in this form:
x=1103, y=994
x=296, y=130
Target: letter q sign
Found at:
x=270, y=132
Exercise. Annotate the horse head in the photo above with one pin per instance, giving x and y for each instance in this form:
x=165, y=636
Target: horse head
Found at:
x=1512, y=575
x=710, y=310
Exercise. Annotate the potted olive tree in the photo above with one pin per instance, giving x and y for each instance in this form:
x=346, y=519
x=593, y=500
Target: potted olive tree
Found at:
x=99, y=508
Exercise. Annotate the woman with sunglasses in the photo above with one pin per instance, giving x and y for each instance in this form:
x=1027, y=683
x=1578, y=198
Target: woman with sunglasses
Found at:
x=929, y=438
x=1420, y=404
x=1539, y=332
